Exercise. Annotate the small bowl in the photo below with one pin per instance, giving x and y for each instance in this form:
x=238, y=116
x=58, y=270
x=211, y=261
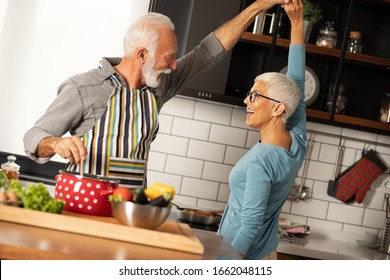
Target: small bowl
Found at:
x=139, y=215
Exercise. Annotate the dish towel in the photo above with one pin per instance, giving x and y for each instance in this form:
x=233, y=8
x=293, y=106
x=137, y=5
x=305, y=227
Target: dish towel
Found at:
x=356, y=180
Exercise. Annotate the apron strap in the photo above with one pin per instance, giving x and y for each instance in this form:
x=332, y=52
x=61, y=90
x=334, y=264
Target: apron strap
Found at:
x=115, y=80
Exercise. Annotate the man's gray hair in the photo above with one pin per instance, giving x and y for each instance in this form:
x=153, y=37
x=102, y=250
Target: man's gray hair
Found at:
x=144, y=33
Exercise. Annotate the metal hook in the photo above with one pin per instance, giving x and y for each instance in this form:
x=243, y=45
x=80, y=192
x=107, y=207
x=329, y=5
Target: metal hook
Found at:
x=364, y=147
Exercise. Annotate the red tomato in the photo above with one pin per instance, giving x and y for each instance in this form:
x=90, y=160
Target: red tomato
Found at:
x=124, y=193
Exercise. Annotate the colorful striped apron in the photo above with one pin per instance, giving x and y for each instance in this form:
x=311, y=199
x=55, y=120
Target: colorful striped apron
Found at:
x=118, y=145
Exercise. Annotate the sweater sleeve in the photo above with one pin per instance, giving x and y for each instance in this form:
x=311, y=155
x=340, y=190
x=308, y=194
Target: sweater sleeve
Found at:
x=296, y=71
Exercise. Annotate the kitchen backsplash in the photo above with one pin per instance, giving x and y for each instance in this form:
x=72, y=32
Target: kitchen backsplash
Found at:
x=199, y=142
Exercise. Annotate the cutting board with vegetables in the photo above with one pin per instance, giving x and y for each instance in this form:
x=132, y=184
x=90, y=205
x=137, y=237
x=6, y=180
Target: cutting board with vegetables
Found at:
x=170, y=235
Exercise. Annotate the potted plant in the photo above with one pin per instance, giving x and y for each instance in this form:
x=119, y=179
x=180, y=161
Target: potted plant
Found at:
x=312, y=14
x=311, y=11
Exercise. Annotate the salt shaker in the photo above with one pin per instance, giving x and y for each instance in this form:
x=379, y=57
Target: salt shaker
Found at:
x=355, y=42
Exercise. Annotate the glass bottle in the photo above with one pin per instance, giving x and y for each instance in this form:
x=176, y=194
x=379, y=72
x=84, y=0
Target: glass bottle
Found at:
x=341, y=99
x=327, y=36
x=384, y=112
x=10, y=168
x=355, y=42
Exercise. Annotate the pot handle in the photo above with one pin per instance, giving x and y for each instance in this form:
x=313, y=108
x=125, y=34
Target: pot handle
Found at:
x=106, y=192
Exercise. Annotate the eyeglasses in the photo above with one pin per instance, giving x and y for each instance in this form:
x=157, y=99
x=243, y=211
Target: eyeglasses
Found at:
x=253, y=95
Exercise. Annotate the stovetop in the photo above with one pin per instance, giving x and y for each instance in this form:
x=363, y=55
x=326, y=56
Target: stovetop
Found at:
x=198, y=226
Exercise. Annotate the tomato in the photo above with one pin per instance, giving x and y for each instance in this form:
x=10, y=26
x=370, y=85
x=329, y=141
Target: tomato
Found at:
x=125, y=194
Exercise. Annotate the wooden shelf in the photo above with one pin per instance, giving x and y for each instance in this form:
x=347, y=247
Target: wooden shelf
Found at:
x=348, y=120
x=318, y=114
x=342, y=120
x=326, y=52
x=362, y=122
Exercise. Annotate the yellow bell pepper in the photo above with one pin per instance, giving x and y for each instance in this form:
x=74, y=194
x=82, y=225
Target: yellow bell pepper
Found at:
x=158, y=189
x=152, y=193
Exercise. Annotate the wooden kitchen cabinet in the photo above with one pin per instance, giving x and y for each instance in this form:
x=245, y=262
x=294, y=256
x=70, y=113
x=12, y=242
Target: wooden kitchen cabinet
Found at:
x=365, y=75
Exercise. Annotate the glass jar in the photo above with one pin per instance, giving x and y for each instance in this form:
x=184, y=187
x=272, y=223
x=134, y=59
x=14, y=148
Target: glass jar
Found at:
x=10, y=168
x=384, y=112
x=355, y=42
x=327, y=36
x=341, y=99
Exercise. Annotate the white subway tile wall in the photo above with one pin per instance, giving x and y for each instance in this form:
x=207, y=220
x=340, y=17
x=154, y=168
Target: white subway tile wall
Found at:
x=199, y=142
x=191, y=128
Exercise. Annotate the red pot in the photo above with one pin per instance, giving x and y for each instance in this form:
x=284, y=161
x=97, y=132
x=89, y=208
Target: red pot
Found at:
x=85, y=194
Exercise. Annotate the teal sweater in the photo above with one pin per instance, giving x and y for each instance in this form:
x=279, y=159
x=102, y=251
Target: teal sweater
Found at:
x=261, y=180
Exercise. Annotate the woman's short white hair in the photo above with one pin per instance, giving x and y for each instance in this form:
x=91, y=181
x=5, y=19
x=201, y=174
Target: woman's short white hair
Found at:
x=283, y=89
x=144, y=33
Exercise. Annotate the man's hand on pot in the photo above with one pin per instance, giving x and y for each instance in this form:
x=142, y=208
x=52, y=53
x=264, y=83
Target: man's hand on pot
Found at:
x=70, y=148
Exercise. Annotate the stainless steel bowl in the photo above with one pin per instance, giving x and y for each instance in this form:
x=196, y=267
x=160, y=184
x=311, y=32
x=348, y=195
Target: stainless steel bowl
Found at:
x=139, y=215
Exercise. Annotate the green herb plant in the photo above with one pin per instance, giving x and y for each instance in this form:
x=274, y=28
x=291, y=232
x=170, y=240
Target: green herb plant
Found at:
x=3, y=180
x=114, y=198
x=311, y=11
x=37, y=197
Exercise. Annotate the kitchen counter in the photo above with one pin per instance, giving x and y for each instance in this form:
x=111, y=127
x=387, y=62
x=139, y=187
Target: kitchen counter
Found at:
x=19, y=241
x=318, y=246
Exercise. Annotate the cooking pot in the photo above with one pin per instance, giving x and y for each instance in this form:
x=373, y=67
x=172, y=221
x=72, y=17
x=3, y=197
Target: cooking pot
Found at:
x=208, y=218
x=85, y=194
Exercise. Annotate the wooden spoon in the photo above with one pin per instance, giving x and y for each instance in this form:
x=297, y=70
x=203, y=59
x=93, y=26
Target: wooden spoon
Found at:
x=82, y=168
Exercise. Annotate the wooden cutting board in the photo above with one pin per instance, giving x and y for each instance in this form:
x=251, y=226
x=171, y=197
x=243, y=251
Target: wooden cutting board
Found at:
x=170, y=235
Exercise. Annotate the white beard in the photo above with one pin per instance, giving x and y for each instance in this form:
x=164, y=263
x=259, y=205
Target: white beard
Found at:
x=152, y=76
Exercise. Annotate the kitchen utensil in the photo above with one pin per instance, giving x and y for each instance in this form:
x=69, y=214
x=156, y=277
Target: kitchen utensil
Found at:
x=199, y=212
x=293, y=194
x=355, y=181
x=291, y=238
x=203, y=217
x=385, y=243
x=139, y=215
x=303, y=190
x=178, y=207
x=332, y=184
x=298, y=191
x=209, y=220
x=82, y=168
x=84, y=194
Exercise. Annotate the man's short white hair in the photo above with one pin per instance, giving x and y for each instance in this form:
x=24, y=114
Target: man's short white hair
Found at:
x=144, y=33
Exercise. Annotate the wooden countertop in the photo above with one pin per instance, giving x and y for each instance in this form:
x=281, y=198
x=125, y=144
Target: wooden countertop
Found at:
x=19, y=241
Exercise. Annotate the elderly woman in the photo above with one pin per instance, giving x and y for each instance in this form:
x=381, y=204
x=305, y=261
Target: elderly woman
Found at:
x=261, y=180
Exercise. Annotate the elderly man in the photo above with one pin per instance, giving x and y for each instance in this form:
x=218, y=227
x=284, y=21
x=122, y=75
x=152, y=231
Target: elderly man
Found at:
x=112, y=111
